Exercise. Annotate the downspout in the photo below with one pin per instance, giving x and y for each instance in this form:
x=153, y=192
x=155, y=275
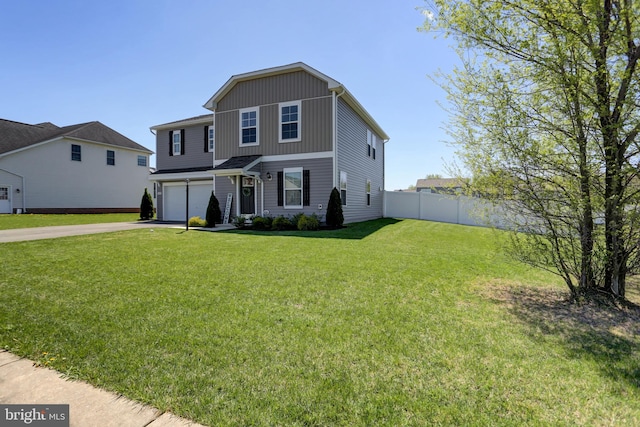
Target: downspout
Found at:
x=335, y=136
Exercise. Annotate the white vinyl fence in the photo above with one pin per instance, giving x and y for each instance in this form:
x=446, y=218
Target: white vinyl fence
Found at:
x=440, y=207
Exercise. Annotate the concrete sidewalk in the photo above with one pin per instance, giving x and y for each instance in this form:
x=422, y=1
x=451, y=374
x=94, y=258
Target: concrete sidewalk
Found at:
x=38, y=233
x=23, y=383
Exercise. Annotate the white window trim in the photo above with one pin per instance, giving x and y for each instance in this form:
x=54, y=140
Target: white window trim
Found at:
x=212, y=138
x=367, y=189
x=369, y=135
x=146, y=160
x=284, y=187
x=299, y=122
x=247, y=110
x=173, y=142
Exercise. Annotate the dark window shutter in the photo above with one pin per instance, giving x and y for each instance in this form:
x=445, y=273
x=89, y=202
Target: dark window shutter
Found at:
x=206, y=139
x=306, y=188
x=170, y=143
x=182, y=142
x=280, y=189
x=374, y=154
x=369, y=150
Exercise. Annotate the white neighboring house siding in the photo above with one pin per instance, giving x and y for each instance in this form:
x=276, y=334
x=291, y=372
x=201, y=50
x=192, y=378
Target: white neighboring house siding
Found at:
x=53, y=180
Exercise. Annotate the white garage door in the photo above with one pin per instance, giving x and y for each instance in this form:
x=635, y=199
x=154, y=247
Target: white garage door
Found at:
x=174, y=200
x=5, y=201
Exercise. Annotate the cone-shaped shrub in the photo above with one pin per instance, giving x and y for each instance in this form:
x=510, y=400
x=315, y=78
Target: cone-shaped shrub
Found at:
x=335, y=218
x=214, y=214
x=146, y=206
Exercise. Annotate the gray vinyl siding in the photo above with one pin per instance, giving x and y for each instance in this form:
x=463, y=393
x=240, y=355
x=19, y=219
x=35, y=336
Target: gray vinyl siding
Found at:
x=267, y=90
x=223, y=186
x=316, y=119
x=194, y=154
x=353, y=159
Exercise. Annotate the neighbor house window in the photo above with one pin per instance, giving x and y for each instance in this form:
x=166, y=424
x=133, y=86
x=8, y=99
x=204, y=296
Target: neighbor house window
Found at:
x=369, y=143
x=4, y=193
x=372, y=141
x=76, y=152
x=368, y=189
x=249, y=121
x=142, y=160
x=111, y=158
x=211, y=138
x=290, y=122
x=293, y=188
x=176, y=142
x=343, y=187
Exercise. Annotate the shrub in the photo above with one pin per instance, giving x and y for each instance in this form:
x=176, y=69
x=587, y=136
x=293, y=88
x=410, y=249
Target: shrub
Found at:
x=214, y=215
x=294, y=220
x=281, y=223
x=335, y=218
x=239, y=221
x=308, y=223
x=262, y=223
x=196, y=221
x=146, y=206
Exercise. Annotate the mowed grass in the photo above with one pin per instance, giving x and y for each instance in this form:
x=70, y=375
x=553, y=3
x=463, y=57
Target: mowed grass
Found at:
x=40, y=220
x=382, y=323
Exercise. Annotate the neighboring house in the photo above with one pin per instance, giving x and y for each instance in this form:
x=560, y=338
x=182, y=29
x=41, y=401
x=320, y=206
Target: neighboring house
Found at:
x=283, y=138
x=73, y=169
x=440, y=185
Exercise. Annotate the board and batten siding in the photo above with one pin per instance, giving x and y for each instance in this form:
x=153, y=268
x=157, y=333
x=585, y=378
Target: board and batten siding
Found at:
x=316, y=118
x=194, y=153
x=353, y=159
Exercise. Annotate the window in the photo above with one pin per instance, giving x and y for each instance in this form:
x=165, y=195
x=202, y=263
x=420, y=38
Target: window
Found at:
x=368, y=143
x=290, y=122
x=372, y=141
x=176, y=141
x=211, y=138
x=368, y=190
x=249, y=120
x=343, y=187
x=142, y=161
x=4, y=193
x=76, y=152
x=111, y=158
x=293, y=188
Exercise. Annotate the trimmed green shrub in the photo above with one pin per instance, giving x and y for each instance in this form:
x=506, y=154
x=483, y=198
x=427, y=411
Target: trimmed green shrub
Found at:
x=146, y=206
x=239, y=222
x=335, y=218
x=308, y=223
x=294, y=220
x=281, y=223
x=214, y=215
x=196, y=221
x=262, y=223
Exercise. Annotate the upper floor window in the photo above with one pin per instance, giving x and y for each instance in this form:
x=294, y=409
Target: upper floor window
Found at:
x=249, y=122
x=142, y=160
x=176, y=143
x=111, y=158
x=211, y=138
x=290, y=121
x=372, y=140
x=76, y=152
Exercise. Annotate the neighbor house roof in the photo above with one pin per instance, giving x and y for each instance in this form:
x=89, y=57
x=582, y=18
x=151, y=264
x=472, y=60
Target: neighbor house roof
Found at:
x=439, y=183
x=17, y=136
x=333, y=85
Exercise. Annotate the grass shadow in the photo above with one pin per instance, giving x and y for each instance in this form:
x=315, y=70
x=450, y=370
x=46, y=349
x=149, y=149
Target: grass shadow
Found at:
x=608, y=335
x=354, y=231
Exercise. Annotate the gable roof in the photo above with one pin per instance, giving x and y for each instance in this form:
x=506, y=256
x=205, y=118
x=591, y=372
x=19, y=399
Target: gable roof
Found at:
x=202, y=119
x=439, y=183
x=332, y=85
x=16, y=136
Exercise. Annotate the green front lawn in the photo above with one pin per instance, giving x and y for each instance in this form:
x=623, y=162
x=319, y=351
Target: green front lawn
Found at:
x=382, y=323
x=39, y=220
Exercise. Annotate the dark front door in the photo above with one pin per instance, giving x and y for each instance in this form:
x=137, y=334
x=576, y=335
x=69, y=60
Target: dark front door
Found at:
x=247, y=196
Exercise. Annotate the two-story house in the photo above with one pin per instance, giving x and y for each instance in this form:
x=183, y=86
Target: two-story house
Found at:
x=281, y=140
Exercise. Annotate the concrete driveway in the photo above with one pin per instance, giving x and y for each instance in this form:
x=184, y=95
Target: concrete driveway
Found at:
x=38, y=233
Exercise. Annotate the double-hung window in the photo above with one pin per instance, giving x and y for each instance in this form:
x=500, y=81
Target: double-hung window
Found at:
x=211, y=138
x=76, y=152
x=290, y=121
x=372, y=141
x=368, y=190
x=249, y=122
x=293, y=188
x=111, y=158
x=177, y=142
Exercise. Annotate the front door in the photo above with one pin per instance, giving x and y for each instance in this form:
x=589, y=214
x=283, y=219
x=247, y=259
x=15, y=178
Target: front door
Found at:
x=5, y=199
x=248, y=196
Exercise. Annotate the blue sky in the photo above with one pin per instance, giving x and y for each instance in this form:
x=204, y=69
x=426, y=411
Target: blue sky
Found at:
x=132, y=64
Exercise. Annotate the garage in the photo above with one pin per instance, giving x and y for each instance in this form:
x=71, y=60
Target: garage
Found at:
x=174, y=200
